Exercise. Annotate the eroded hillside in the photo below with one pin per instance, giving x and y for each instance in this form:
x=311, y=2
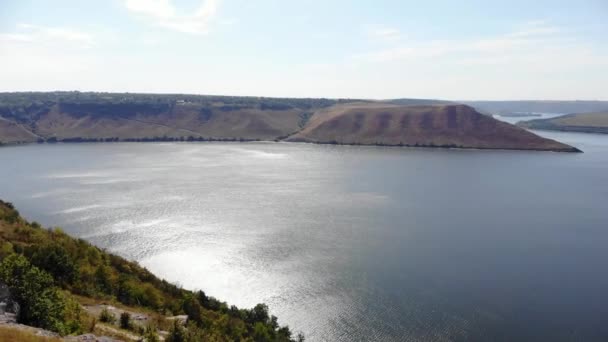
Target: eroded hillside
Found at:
x=431, y=125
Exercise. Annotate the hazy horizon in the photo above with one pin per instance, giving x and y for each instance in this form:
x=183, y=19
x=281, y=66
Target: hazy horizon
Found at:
x=390, y=49
x=303, y=97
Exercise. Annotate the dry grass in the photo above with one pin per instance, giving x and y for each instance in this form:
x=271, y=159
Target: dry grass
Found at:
x=183, y=121
x=10, y=333
x=432, y=125
x=113, y=332
x=586, y=119
x=13, y=133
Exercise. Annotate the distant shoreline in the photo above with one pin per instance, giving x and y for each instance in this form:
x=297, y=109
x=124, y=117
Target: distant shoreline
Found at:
x=103, y=117
x=581, y=123
x=407, y=146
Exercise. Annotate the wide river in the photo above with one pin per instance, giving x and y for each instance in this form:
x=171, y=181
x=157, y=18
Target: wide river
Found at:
x=348, y=243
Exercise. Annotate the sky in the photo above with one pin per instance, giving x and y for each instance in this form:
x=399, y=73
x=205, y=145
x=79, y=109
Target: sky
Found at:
x=454, y=50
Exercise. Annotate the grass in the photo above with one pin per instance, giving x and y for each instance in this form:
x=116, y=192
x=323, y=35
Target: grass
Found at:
x=584, y=119
x=14, y=334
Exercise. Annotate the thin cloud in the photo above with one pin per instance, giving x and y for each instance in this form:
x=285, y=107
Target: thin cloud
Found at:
x=385, y=33
x=28, y=33
x=531, y=35
x=535, y=28
x=163, y=14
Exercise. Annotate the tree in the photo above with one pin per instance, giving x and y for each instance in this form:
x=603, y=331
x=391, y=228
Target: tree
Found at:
x=54, y=259
x=177, y=333
x=41, y=304
x=259, y=313
x=261, y=332
x=125, y=320
x=194, y=310
x=103, y=277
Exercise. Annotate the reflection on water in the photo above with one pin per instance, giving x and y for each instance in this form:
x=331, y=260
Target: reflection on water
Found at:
x=516, y=119
x=347, y=243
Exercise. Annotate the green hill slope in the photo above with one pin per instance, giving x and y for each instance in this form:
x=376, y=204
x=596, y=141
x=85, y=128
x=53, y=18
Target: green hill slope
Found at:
x=49, y=273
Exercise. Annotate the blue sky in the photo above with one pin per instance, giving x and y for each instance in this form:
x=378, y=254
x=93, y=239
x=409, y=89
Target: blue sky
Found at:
x=459, y=50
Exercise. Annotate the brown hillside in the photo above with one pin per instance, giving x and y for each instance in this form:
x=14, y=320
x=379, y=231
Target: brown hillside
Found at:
x=437, y=125
x=11, y=132
x=181, y=120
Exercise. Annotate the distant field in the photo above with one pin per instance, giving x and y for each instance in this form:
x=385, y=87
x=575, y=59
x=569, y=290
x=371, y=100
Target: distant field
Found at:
x=583, y=122
x=564, y=107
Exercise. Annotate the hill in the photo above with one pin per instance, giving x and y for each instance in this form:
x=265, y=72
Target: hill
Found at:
x=582, y=122
x=12, y=132
x=58, y=281
x=84, y=117
x=75, y=116
x=431, y=126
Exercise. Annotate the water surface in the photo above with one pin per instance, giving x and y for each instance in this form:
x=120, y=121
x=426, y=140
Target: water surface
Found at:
x=348, y=243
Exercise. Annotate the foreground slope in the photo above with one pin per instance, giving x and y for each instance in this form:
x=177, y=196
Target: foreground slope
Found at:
x=48, y=273
x=583, y=122
x=433, y=126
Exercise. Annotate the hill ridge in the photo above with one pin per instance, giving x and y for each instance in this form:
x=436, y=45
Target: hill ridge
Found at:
x=441, y=125
x=78, y=117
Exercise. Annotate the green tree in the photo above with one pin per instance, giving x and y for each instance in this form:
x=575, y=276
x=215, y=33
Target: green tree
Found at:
x=259, y=313
x=54, y=259
x=194, y=310
x=41, y=304
x=177, y=333
x=261, y=332
x=103, y=278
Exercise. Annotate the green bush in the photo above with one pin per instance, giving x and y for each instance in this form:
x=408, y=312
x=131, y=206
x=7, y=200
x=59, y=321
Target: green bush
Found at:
x=177, y=333
x=106, y=316
x=41, y=303
x=150, y=334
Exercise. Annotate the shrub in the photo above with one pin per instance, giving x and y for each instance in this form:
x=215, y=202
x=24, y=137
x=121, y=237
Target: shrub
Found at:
x=106, y=316
x=125, y=320
x=150, y=334
x=41, y=303
x=177, y=333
